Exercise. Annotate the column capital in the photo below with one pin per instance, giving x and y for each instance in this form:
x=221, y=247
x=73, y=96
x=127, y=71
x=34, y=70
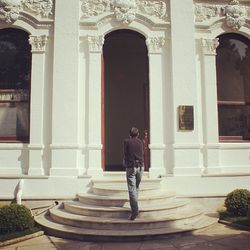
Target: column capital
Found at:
x=38, y=43
x=155, y=44
x=209, y=46
x=95, y=43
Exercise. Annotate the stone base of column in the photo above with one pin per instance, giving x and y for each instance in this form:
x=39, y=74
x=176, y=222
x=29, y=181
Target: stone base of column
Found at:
x=64, y=160
x=35, y=160
x=94, y=165
x=157, y=159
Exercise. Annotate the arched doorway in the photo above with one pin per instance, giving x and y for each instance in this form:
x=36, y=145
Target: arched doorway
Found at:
x=15, y=77
x=125, y=94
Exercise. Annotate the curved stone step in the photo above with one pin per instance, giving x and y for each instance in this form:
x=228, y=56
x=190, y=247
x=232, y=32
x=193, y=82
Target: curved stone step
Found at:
x=146, y=211
x=120, y=190
x=172, y=220
x=66, y=231
x=161, y=196
x=151, y=182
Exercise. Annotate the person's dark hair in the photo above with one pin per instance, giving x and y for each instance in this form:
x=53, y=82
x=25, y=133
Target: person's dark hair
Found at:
x=134, y=132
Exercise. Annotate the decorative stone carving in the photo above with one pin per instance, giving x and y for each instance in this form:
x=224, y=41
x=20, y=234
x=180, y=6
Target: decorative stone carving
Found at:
x=95, y=7
x=38, y=43
x=155, y=44
x=234, y=13
x=204, y=12
x=10, y=9
x=154, y=8
x=42, y=7
x=95, y=43
x=124, y=10
x=209, y=46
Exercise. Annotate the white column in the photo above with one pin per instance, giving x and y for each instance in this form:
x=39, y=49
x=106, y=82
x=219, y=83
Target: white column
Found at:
x=187, y=143
x=36, y=146
x=210, y=112
x=65, y=100
x=157, y=146
x=94, y=114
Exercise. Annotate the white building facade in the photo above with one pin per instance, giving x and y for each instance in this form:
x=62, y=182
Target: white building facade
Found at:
x=177, y=69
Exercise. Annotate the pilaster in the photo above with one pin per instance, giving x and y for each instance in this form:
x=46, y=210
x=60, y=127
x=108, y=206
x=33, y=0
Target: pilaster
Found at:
x=184, y=87
x=210, y=111
x=157, y=147
x=38, y=45
x=65, y=145
x=94, y=144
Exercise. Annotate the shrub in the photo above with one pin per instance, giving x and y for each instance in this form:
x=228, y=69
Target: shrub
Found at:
x=15, y=218
x=238, y=202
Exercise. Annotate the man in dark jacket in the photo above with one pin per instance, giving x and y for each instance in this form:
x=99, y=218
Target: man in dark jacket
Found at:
x=134, y=162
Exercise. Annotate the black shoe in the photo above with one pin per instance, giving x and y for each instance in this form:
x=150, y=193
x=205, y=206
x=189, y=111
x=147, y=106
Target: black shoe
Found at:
x=133, y=216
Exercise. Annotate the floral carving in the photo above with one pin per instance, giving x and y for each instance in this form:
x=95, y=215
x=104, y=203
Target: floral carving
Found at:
x=204, y=12
x=38, y=43
x=95, y=7
x=124, y=10
x=235, y=15
x=43, y=7
x=154, y=8
x=209, y=46
x=155, y=44
x=95, y=43
x=10, y=9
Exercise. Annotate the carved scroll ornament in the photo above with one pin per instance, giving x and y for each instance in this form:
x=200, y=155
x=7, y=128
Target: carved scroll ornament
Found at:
x=124, y=10
x=10, y=9
x=234, y=13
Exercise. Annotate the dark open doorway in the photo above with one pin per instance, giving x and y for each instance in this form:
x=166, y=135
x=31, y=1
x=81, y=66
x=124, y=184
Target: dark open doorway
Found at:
x=125, y=94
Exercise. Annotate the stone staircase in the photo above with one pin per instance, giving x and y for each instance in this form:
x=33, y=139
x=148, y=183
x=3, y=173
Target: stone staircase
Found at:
x=102, y=213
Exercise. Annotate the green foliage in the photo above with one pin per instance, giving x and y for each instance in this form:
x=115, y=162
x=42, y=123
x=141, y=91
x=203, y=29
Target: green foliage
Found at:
x=238, y=202
x=15, y=218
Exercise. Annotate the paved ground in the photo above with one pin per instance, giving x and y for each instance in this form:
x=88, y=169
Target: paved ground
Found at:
x=216, y=237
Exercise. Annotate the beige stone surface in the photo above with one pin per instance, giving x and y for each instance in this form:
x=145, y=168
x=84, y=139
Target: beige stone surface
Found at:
x=217, y=237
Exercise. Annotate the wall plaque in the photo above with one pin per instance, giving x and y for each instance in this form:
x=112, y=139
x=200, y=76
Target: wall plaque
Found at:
x=186, y=118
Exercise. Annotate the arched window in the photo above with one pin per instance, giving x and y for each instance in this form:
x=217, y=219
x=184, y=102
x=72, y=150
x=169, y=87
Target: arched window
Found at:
x=15, y=67
x=233, y=87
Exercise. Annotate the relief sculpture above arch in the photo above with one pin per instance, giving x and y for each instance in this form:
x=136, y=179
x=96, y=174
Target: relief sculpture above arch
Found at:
x=125, y=10
x=10, y=9
x=235, y=14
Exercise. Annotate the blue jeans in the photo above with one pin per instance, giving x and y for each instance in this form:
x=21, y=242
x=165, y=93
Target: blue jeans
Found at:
x=134, y=176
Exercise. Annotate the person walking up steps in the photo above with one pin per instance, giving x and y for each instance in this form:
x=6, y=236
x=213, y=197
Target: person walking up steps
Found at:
x=134, y=163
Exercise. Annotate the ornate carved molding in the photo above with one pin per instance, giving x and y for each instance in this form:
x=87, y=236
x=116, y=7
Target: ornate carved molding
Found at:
x=42, y=7
x=155, y=44
x=10, y=9
x=235, y=14
x=124, y=10
x=209, y=46
x=38, y=43
x=95, y=43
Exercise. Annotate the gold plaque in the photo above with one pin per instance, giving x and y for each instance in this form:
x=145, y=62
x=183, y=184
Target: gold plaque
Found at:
x=186, y=118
